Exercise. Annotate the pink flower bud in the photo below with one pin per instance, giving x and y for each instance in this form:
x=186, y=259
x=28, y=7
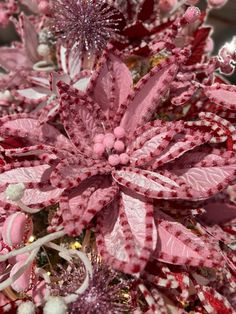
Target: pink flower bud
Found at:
x=119, y=132
x=119, y=146
x=192, y=14
x=167, y=5
x=44, y=7
x=124, y=158
x=109, y=140
x=98, y=149
x=114, y=160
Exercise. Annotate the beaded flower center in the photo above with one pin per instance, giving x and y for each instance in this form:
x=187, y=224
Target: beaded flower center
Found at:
x=112, y=145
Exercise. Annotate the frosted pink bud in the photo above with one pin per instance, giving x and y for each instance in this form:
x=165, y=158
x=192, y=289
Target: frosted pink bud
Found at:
x=119, y=132
x=98, y=148
x=98, y=138
x=119, y=146
x=124, y=158
x=109, y=140
x=192, y=14
x=217, y=3
x=44, y=7
x=114, y=160
x=167, y=5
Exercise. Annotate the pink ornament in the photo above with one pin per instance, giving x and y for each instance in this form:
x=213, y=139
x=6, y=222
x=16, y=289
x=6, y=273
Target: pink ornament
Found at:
x=109, y=140
x=23, y=282
x=44, y=7
x=192, y=14
x=119, y=132
x=98, y=148
x=119, y=146
x=98, y=138
x=114, y=160
x=167, y=5
x=124, y=158
x=217, y=3
x=17, y=228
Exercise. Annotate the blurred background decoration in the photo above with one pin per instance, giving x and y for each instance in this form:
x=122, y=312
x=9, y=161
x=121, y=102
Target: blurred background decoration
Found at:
x=223, y=21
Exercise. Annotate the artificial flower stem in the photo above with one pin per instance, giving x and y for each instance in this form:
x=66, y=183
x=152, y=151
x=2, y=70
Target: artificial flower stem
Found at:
x=37, y=244
x=6, y=283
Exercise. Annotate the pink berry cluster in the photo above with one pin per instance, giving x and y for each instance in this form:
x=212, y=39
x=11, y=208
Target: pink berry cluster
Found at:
x=113, y=145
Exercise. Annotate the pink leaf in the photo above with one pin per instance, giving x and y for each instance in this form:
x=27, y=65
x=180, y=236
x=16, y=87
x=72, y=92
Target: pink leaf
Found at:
x=222, y=94
x=206, y=181
x=85, y=202
x=12, y=59
x=152, y=142
x=23, y=126
x=178, y=245
x=80, y=117
x=149, y=184
x=33, y=95
x=126, y=239
x=35, y=176
x=111, y=84
x=30, y=38
x=147, y=95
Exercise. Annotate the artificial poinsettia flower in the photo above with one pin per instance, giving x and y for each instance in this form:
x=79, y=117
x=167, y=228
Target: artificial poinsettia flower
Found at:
x=42, y=90
x=115, y=163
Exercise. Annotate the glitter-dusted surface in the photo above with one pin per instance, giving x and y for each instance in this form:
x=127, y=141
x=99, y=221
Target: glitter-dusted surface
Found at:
x=89, y=24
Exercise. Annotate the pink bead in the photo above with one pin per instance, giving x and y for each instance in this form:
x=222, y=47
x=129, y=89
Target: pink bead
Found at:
x=167, y=5
x=98, y=138
x=98, y=148
x=17, y=228
x=44, y=7
x=216, y=3
x=109, y=140
x=119, y=146
x=192, y=14
x=114, y=160
x=119, y=132
x=124, y=158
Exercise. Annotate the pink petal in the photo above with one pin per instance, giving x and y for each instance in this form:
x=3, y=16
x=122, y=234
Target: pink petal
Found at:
x=149, y=184
x=12, y=59
x=178, y=245
x=111, y=84
x=80, y=117
x=126, y=240
x=33, y=94
x=23, y=126
x=30, y=38
x=222, y=94
x=147, y=94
